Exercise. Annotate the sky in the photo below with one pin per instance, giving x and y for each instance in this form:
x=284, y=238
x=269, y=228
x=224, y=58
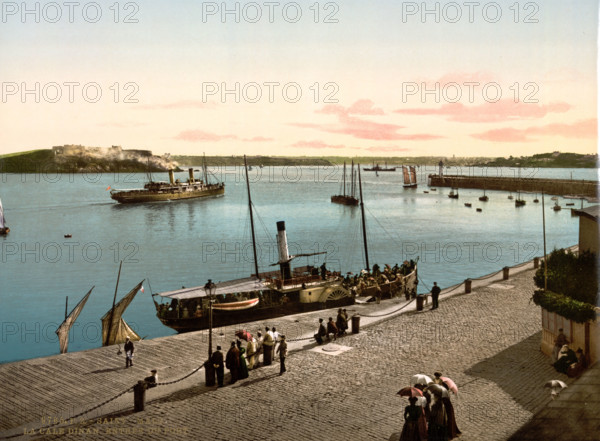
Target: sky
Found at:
x=345, y=78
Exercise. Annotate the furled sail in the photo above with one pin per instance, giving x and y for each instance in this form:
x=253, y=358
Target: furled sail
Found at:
x=114, y=328
x=63, y=330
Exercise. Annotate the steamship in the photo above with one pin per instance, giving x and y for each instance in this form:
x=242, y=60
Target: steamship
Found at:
x=170, y=191
x=263, y=295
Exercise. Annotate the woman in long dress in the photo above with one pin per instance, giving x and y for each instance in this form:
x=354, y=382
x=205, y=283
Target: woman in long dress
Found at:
x=438, y=421
x=412, y=412
x=243, y=365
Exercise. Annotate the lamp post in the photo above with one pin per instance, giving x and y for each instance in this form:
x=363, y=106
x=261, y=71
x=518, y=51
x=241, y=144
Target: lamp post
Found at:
x=209, y=369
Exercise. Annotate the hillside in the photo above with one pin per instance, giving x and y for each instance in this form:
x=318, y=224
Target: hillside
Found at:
x=79, y=159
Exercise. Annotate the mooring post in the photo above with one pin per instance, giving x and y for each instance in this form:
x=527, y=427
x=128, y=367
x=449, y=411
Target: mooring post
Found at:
x=468, y=286
x=505, y=273
x=139, y=396
x=536, y=262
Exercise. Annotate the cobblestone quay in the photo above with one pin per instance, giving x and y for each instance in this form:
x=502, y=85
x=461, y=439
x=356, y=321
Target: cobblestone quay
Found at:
x=486, y=341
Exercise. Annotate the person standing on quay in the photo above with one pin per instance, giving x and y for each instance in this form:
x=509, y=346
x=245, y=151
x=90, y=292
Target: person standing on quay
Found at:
x=217, y=360
x=128, y=352
x=232, y=361
x=267, y=347
x=435, y=295
x=282, y=349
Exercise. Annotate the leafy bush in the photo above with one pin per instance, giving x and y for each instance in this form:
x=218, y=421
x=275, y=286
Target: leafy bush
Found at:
x=573, y=276
x=567, y=307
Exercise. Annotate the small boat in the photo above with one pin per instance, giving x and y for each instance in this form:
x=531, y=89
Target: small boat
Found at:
x=433, y=189
x=425, y=191
x=519, y=202
x=554, y=198
x=536, y=200
x=510, y=196
x=468, y=204
x=410, y=176
x=344, y=198
x=453, y=195
x=570, y=204
x=235, y=306
x=4, y=230
x=68, y=236
x=483, y=198
x=479, y=210
x=556, y=207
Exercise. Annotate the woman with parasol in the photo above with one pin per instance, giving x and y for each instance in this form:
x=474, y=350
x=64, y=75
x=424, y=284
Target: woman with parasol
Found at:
x=448, y=384
x=410, y=430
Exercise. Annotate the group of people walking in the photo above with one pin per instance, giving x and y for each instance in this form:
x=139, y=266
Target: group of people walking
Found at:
x=430, y=417
x=239, y=360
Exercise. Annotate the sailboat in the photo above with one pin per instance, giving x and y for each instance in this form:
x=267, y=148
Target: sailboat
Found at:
x=483, y=198
x=453, y=195
x=114, y=329
x=410, y=176
x=344, y=198
x=4, y=230
x=63, y=330
x=519, y=202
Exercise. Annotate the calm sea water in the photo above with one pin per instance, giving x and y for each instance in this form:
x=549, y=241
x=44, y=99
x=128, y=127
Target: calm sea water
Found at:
x=174, y=244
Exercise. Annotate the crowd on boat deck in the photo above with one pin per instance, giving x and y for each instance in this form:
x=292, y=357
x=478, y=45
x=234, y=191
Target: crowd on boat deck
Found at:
x=358, y=283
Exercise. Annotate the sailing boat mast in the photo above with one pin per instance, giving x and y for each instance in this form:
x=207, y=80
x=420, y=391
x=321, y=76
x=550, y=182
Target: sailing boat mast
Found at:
x=362, y=211
x=251, y=217
x=352, y=182
x=344, y=193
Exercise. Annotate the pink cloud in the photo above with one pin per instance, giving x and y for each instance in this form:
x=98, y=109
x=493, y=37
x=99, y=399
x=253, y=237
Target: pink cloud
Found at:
x=582, y=129
x=360, y=107
x=503, y=110
x=316, y=145
x=183, y=104
x=201, y=136
x=362, y=128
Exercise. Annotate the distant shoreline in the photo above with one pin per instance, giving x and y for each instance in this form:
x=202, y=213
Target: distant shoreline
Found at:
x=46, y=161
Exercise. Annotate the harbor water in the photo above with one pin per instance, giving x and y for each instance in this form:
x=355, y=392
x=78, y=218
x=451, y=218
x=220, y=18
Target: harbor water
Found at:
x=185, y=243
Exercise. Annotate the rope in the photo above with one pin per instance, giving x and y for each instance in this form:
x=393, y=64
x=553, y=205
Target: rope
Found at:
x=388, y=313
x=182, y=378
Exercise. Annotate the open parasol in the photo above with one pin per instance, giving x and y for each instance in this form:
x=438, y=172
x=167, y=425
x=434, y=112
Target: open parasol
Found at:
x=438, y=390
x=410, y=392
x=556, y=386
x=420, y=379
x=243, y=335
x=451, y=384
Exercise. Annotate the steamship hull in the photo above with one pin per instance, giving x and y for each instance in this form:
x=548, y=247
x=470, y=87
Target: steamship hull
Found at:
x=226, y=318
x=166, y=194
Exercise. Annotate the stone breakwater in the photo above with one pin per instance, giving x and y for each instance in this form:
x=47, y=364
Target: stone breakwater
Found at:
x=486, y=341
x=533, y=185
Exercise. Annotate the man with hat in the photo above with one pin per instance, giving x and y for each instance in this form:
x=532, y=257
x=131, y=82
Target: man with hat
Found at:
x=128, y=352
x=282, y=350
x=152, y=379
x=217, y=360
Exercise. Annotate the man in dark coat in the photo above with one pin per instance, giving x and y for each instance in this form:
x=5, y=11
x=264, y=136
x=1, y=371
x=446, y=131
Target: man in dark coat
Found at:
x=321, y=332
x=435, y=295
x=282, y=350
x=217, y=361
x=232, y=361
x=128, y=352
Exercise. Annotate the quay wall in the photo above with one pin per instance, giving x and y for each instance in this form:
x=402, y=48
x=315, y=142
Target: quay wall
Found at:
x=559, y=187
